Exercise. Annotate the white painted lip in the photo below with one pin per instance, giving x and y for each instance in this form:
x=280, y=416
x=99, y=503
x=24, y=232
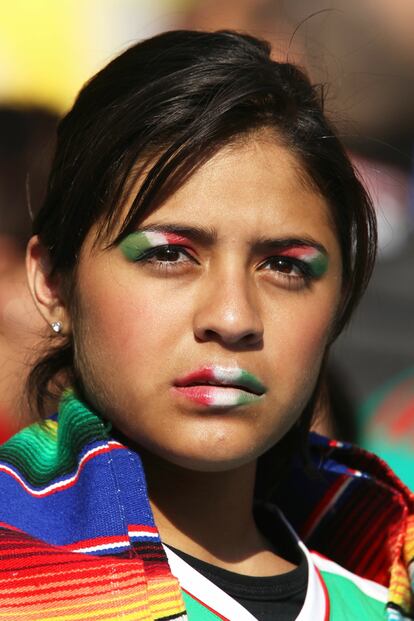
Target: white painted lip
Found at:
x=216, y=396
x=221, y=376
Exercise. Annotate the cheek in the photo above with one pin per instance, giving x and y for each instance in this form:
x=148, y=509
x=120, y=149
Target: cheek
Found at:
x=313, y=327
x=128, y=326
x=302, y=334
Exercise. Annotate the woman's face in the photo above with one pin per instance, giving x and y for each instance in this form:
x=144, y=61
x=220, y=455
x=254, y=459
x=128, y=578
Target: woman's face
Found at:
x=201, y=335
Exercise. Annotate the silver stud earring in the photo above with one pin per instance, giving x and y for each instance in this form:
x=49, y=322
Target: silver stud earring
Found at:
x=56, y=326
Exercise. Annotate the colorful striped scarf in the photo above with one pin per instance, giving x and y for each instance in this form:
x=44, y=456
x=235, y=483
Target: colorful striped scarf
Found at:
x=358, y=513
x=78, y=538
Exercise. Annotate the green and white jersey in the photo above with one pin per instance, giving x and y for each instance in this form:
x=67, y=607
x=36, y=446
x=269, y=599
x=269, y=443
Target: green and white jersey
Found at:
x=333, y=594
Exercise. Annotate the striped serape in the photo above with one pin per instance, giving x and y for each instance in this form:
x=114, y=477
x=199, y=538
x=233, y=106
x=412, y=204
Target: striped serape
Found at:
x=355, y=511
x=78, y=539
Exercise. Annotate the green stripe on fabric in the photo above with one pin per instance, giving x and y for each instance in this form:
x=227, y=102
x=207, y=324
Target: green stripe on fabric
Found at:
x=47, y=450
x=349, y=603
x=196, y=611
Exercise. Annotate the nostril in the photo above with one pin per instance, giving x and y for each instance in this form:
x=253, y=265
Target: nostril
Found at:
x=210, y=334
x=253, y=338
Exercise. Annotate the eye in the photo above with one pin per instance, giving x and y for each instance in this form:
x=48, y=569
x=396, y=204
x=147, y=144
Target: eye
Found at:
x=287, y=266
x=167, y=254
x=287, y=272
x=168, y=258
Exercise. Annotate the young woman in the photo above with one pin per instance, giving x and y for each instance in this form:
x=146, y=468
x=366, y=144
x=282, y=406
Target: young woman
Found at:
x=203, y=241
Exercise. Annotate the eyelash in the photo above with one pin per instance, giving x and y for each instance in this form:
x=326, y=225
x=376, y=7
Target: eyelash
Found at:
x=305, y=275
x=304, y=272
x=150, y=257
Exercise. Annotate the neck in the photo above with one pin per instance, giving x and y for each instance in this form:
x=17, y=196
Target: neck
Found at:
x=207, y=513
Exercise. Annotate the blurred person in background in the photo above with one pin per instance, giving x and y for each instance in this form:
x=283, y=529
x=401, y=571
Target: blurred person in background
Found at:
x=26, y=146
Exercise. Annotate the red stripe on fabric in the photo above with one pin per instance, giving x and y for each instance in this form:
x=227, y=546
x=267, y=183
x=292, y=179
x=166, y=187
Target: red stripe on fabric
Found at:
x=326, y=594
x=205, y=605
x=52, y=558
x=357, y=559
x=79, y=572
x=375, y=528
x=352, y=517
x=326, y=499
x=12, y=528
x=97, y=541
x=145, y=527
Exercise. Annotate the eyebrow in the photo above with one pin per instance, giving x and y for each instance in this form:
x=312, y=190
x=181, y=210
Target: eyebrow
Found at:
x=206, y=236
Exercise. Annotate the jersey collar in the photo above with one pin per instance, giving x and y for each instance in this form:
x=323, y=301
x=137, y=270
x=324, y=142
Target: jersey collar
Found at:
x=214, y=599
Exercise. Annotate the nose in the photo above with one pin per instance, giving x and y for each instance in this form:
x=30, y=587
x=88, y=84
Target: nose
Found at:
x=227, y=311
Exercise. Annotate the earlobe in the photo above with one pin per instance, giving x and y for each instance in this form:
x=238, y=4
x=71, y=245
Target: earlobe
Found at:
x=45, y=288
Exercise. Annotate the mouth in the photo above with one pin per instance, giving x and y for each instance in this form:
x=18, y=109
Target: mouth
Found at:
x=220, y=387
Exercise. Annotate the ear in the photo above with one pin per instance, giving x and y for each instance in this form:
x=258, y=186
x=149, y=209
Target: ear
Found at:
x=46, y=289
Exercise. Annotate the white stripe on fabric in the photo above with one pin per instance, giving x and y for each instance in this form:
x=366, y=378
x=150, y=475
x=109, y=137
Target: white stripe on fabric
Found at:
x=316, y=605
x=208, y=593
x=142, y=533
x=330, y=504
x=63, y=483
x=369, y=587
x=102, y=546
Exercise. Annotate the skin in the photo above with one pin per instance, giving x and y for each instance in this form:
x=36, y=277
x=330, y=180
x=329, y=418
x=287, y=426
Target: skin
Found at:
x=21, y=333
x=223, y=300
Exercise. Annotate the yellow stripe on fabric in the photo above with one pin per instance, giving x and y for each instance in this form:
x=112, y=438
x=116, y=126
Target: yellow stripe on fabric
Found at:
x=165, y=589
x=409, y=540
x=103, y=607
x=122, y=569
x=399, y=589
x=96, y=615
x=102, y=617
x=63, y=589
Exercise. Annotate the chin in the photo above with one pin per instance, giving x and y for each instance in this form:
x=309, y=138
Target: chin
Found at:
x=225, y=459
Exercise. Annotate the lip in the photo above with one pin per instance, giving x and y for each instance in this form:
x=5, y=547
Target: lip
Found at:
x=217, y=396
x=222, y=378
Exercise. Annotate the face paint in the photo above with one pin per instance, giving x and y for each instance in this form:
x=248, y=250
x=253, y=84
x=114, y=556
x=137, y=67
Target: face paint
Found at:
x=135, y=245
x=232, y=387
x=214, y=396
x=317, y=260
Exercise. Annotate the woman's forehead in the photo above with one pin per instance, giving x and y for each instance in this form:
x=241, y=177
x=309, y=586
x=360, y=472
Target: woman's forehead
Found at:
x=257, y=179
x=253, y=187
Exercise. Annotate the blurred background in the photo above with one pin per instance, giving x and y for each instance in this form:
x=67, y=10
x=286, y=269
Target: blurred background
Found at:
x=361, y=52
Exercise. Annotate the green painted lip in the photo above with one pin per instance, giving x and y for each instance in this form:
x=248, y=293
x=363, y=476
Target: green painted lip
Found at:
x=251, y=382
x=248, y=397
